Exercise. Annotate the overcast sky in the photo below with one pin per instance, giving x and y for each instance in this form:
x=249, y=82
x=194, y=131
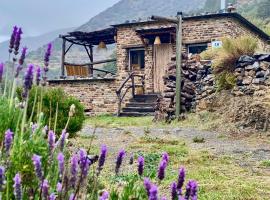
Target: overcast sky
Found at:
x=42, y=16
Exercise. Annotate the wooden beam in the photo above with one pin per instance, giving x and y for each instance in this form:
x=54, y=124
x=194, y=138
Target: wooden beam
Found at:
x=166, y=19
x=92, y=63
x=68, y=48
x=63, y=58
x=178, y=64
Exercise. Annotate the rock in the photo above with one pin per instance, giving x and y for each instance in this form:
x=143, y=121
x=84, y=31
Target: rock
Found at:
x=265, y=57
x=250, y=67
x=247, y=80
x=247, y=60
x=258, y=81
x=264, y=65
x=256, y=65
x=260, y=74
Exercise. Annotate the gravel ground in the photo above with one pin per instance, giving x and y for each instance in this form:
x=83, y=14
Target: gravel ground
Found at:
x=247, y=152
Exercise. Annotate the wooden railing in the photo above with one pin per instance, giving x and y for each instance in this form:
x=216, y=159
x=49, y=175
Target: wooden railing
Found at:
x=86, y=69
x=125, y=87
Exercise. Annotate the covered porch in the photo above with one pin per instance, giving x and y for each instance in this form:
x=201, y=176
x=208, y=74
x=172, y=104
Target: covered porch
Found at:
x=87, y=40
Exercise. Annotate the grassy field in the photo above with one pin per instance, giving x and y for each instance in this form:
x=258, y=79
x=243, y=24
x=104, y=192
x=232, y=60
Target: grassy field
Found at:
x=220, y=177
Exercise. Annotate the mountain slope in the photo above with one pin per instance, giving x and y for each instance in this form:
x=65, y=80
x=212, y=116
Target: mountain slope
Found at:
x=134, y=9
x=32, y=43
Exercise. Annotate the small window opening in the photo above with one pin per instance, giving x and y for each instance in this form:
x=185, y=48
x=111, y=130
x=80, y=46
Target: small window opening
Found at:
x=136, y=59
x=197, y=48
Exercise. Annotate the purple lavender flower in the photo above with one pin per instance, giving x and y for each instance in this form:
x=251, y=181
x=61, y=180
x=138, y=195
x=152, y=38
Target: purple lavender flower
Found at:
x=8, y=141
x=2, y=178
x=119, y=160
x=38, y=75
x=47, y=56
x=163, y=198
x=28, y=80
x=140, y=165
x=59, y=187
x=45, y=189
x=51, y=141
x=1, y=71
x=102, y=157
x=37, y=164
x=104, y=196
x=153, y=192
x=52, y=196
x=34, y=127
x=84, y=162
x=17, y=41
x=174, y=191
x=191, y=190
x=72, y=197
x=147, y=185
x=61, y=163
x=12, y=38
x=165, y=156
x=17, y=187
x=161, y=169
x=61, y=141
x=22, y=58
x=181, y=179
x=73, y=170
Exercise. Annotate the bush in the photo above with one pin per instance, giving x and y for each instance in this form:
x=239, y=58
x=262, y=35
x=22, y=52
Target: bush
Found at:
x=225, y=58
x=56, y=101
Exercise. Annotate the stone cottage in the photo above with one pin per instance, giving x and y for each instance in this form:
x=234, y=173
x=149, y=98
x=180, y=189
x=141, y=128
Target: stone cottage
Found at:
x=143, y=49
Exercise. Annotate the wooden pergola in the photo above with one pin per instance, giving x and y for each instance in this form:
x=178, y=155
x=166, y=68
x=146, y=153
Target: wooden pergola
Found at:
x=87, y=40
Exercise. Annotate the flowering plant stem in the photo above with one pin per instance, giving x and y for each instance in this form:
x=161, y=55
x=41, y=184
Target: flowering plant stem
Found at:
x=34, y=105
x=14, y=85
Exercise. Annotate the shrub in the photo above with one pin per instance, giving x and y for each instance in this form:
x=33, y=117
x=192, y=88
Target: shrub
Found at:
x=225, y=58
x=55, y=106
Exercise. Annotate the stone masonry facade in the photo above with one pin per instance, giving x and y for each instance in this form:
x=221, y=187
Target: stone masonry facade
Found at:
x=99, y=96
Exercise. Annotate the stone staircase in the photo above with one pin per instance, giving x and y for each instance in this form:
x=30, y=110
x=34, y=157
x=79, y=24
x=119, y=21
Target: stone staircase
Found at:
x=140, y=105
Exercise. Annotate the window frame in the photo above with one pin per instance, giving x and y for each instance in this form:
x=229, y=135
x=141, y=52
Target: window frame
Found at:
x=129, y=57
x=197, y=45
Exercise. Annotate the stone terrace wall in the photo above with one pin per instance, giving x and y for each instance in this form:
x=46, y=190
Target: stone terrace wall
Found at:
x=98, y=96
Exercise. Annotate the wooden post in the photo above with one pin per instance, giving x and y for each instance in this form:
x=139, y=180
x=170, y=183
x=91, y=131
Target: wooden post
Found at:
x=178, y=63
x=91, y=71
x=63, y=58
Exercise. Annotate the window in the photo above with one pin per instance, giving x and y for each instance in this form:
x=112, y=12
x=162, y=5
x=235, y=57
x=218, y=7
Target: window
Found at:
x=197, y=48
x=136, y=59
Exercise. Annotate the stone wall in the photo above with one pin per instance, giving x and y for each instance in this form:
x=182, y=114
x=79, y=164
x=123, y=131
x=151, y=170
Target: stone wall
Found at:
x=98, y=96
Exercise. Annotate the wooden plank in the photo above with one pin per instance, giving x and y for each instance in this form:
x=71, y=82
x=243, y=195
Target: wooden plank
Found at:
x=92, y=63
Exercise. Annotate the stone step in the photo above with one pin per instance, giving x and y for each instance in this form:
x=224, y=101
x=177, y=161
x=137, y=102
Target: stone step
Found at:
x=140, y=104
x=138, y=109
x=136, y=114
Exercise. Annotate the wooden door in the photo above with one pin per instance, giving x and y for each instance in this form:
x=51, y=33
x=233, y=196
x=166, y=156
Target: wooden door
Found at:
x=162, y=56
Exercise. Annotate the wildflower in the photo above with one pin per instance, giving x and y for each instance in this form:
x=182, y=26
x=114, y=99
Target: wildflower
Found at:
x=51, y=141
x=52, y=196
x=163, y=198
x=2, y=178
x=72, y=110
x=84, y=162
x=59, y=187
x=17, y=187
x=140, y=165
x=34, y=127
x=61, y=163
x=45, y=189
x=12, y=38
x=17, y=41
x=72, y=197
x=22, y=58
x=38, y=75
x=28, y=80
x=73, y=170
x=161, y=170
x=119, y=160
x=147, y=185
x=62, y=140
x=131, y=159
x=1, y=71
x=47, y=56
x=102, y=157
x=174, y=191
x=153, y=193
x=191, y=190
x=181, y=179
x=104, y=196
x=8, y=140
x=165, y=156
x=37, y=164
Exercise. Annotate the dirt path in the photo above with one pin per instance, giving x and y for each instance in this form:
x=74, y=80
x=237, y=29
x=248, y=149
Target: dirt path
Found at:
x=247, y=152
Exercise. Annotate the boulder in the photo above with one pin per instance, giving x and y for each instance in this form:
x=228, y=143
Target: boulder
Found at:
x=265, y=57
x=248, y=60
